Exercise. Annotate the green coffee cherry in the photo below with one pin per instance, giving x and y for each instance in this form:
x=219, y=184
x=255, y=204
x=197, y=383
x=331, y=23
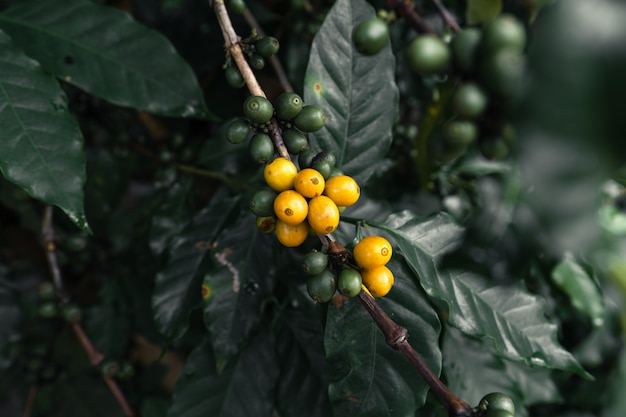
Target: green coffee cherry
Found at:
x=469, y=101
x=262, y=203
x=464, y=47
x=72, y=313
x=326, y=156
x=349, y=282
x=310, y=119
x=335, y=172
x=48, y=310
x=257, y=62
x=497, y=401
x=427, y=54
x=261, y=148
x=266, y=224
x=498, y=413
x=238, y=130
x=503, y=72
x=267, y=46
x=288, y=106
x=47, y=291
x=236, y=6
x=494, y=148
x=110, y=368
x=505, y=31
x=370, y=36
x=321, y=287
x=305, y=158
x=233, y=77
x=314, y=263
x=258, y=109
x=324, y=162
x=295, y=141
x=460, y=132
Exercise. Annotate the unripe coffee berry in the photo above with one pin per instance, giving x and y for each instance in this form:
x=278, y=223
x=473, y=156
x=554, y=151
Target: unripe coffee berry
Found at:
x=427, y=54
x=261, y=148
x=262, y=203
x=288, y=105
x=258, y=109
x=238, y=130
x=370, y=36
x=349, y=282
x=321, y=287
x=295, y=141
x=314, y=262
x=234, y=78
x=267, y=46
x=310, y=119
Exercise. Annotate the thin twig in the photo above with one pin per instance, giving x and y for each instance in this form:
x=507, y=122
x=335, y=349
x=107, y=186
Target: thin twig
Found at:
x=405, y=9
x=274, y=61
x=95, y=357
x=30, y=402
x=447, y=16
x=234, y=49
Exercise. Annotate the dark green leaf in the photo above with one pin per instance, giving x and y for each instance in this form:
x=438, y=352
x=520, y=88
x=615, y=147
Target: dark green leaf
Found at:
x=474, y=371
x=41, y=146
x=508, y=315
x=243, y=388
x=171, y=215
x=242, y=279
x=370, y=378
x=304, y=373
x=581, y=288
x=155, y=406
x=177, y=286
x=105, y=52
x=357, y=92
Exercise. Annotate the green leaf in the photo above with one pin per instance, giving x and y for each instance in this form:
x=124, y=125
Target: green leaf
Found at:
x=616, y=400
x=244, y=388
x=474, y=371
x=369, y=377
x=508, y=315
x=178, y=285
x=581, y=288
x=304, y=372
x=242, y=279
x=105, y=52
x=357, y=92
x=481, y=11
x=41, y=146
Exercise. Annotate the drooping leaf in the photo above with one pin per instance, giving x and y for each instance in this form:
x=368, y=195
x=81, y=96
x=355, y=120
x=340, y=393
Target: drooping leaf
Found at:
x=369, y=377
x=583, y=292
x=178, y=285
x=105, y=52
x=41, y=146
x=357, y=92
x=304, y=372
x=243, y=277
x=473, y=370
x=509, y=315
x=243, y=388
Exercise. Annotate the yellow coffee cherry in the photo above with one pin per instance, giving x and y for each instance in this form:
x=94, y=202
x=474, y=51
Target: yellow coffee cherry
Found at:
x=309, y=182
x=343, y=190
x=323, y=215
x=279, y=174
x=378, y=280
x=372, y=251
x=291, y=236
x=291, y=207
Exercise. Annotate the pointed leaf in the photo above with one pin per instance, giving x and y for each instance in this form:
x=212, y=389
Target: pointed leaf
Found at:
x=304, y=373
x=243, y=277
x=244, y=388
x=357, y=92
x=41, y=146
x=585, y=295
x=178, y=285
x=105, y=52
x=509, y=315
x=370, y=378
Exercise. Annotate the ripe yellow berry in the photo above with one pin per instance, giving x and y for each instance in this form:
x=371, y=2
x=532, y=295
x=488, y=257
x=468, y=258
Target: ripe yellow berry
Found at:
x=343, y=190
x=309, y=182
x=279, y=174
x=378, y=280
x=291, y=236
x=323, y=215
x=372, y=251
x=291, y=207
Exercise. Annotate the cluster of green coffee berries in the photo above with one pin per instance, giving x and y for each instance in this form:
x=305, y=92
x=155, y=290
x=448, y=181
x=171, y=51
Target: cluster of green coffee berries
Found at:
x=489, y=64
x=257, y=51
x=370, y=272
x=495, y=404
x=49, y=308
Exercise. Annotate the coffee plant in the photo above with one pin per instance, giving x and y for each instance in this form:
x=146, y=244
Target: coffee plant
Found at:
x=312, y=208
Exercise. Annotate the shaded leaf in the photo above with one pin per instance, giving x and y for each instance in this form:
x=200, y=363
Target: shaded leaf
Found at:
x=369, y=377
x=105, y=52
x=244, y=388
x=41, y=146
x=243, y=277
x=357, y=92
x=304, y=373
x=508, y=315
x=581, y=288
x=170, y=215
x=178, y=284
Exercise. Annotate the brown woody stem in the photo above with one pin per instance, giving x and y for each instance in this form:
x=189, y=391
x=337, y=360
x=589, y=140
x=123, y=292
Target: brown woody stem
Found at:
x=405, y=9
x=446, y=15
